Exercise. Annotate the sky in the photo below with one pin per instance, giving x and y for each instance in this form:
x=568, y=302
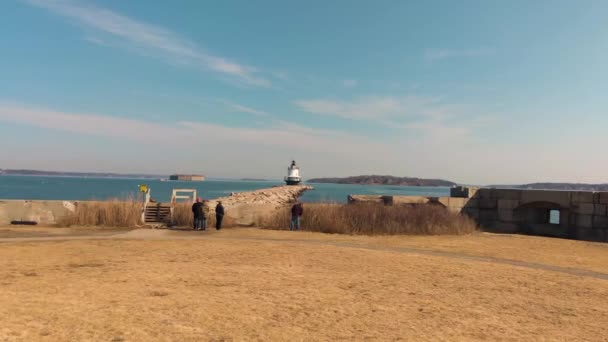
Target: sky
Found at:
x=476, y=92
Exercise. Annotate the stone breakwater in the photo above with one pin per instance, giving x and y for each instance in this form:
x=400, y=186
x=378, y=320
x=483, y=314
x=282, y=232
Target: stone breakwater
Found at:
x=252, y=207
x=278, y=196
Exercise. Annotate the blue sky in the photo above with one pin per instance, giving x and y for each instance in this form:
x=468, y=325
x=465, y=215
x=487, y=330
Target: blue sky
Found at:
x=472, y=91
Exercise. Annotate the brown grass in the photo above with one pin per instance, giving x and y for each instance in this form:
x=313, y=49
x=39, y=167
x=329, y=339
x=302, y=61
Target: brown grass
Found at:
x=112, y=213
x=376, y=219
x=182, y=215
x=234, y=288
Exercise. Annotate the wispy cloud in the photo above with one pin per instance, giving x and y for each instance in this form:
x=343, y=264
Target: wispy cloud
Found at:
x=278, y=134
x=426, y=118
x=152, y=39
x=245, y=109
x=432, y=55
x=369, y=107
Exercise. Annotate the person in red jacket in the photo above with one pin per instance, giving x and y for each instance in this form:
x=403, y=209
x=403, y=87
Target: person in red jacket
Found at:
x=296, y=215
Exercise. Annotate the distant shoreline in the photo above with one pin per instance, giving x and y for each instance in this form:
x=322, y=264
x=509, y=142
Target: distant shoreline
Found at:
x=384, y=180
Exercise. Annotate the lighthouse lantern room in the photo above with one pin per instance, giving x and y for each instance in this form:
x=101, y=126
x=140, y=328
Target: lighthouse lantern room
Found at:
x=293, y=174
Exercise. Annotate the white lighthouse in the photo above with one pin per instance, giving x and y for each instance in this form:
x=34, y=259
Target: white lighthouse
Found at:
x=293, y=174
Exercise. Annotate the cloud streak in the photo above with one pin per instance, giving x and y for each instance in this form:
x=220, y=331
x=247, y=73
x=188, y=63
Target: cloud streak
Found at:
x=279, y=134
x=245, y=109
x=370, y=107
x=433, y=55
x=155, y=39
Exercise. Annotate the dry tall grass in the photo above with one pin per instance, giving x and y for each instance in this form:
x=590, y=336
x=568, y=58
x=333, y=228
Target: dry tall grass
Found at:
x=376, y=219
x=113, y=213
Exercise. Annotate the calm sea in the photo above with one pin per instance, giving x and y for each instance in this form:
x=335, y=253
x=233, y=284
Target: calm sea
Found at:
x=76, y=188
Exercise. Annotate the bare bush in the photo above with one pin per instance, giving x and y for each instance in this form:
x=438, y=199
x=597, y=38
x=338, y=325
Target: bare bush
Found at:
x=376, y=219
x=112, y=213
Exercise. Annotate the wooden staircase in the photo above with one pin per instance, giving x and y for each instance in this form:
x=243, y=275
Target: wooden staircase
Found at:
x=157, y=214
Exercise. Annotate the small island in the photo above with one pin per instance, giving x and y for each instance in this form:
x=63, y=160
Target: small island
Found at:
x=384, y=180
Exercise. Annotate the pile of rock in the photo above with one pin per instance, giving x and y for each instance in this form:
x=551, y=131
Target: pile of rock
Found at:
x=249, y=208
x=276, y=196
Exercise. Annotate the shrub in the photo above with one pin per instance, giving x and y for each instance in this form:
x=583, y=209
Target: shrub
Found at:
x=112, y=213
x=376, y=219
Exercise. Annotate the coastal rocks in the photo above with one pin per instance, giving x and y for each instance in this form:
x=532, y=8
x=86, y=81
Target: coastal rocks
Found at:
x=247, y=208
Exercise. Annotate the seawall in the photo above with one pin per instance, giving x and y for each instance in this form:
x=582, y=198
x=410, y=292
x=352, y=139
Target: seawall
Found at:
x=243, y=208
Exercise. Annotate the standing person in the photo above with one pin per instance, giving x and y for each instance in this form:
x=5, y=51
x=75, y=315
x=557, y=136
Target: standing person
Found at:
x=219, y=215
x=197, y=212
x=205, y=213
x=296, y=215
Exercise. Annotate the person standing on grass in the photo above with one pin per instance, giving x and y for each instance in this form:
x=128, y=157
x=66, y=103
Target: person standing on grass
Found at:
x=219, y=215
x=205, y=213
x=296, y=215
x=197, y=212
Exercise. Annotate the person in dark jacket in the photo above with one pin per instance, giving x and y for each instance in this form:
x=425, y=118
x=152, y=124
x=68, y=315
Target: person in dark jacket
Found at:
x=296, y=215
x=197, y=212
x=219, y=215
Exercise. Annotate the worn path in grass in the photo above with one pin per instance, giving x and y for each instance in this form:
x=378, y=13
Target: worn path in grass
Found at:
x=251, y=284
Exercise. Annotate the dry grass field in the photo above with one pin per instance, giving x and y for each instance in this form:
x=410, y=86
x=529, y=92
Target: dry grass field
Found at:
x=250, y=284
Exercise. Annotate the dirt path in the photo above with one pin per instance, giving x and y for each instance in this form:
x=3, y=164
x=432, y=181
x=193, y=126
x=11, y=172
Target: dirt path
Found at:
x=162, y=234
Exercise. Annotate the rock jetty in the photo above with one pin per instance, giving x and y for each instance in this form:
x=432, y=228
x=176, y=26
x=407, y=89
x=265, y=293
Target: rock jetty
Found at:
x=250, y=208
x=277, y=196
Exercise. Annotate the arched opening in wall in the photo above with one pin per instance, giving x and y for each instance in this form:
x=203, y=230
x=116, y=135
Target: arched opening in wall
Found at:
x=542, y=218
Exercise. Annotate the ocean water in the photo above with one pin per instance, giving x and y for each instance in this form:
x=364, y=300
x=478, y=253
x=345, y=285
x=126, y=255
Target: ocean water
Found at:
x=80, y=188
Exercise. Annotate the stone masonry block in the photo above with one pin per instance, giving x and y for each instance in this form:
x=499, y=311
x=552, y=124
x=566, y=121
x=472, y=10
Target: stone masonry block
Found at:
x=444, y=200
x=472, y=203
x=487, y=215
x=584, y=208
x=507, y=204
x=583, y=196
x=506, y=215
x=600, y=210
x=603, y=197
x=506, y=194
x=600, y=222
x=561, y=198
x=584, y=221
x=471, y=212
x=487, y=203
x=457, y=202
x=484, y=193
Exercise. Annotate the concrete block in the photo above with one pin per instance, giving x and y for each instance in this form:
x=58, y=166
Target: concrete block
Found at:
x=507, y=204
x=410, y=200
x=506, y=194
x=583, y=196
x=486, y=215
x=488, y=203
x=603, y=198
x=600, y=222
x=483, y=193
x=584, y=208
x=471, y=212
x=506, y=215
x=457, y=202
x=459, y=191
x=500, y=227
x=600, y=210
x=584, y=221
x=591, y=234
x=561, y=198
x=472, y=203
x=444, y=200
